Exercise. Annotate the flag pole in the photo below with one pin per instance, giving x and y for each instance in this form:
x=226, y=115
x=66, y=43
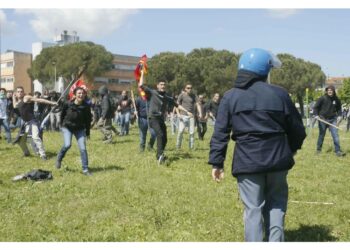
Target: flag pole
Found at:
x=63, y=93
x=133, y=102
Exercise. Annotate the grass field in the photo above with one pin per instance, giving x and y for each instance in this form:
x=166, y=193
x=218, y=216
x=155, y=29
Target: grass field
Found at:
x=130, y=198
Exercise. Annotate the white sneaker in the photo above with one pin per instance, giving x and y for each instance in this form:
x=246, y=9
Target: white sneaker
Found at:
x=161, y=159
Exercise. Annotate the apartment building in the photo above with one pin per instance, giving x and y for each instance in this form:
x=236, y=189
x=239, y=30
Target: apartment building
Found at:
x=121, y=77
x=13, y=72
x=337, y=82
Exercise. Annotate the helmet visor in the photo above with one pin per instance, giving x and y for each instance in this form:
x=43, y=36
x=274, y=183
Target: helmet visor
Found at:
x=274, y=61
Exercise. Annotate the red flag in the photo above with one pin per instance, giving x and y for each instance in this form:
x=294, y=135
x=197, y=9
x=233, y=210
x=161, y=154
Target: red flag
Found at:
x=78, y=83
x=141, y=66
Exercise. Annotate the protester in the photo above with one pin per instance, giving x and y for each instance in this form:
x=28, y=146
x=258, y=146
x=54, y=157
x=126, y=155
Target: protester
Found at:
x=189, y=101
x=268, y=131
x=76, y=119
x=213, y=107
x=348, y=120
x=38, y=107
x=9, y=108
x=174, y=120
x=31, y=127
x=96, y=110
x=159, y=100
x=107, y=113
x=141, y=111
x=202, y=120
x=124, y=107
x=328, y=108
x=4, y=114
x=55, y=116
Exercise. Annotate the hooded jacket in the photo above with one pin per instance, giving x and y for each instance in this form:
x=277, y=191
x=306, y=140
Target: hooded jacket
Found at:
x=263, y=122
x=328, y=107
x=106, y=108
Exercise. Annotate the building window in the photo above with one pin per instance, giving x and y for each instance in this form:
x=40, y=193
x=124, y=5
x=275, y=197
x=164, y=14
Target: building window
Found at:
x=125, y=81
x=124, y=67
x=7, y=65
x=103, y=80
x=9, y=80
x=113, y=81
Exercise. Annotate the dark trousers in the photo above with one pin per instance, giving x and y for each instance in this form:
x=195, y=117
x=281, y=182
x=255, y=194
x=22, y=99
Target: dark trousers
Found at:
x=158, y=125
x=201, y=129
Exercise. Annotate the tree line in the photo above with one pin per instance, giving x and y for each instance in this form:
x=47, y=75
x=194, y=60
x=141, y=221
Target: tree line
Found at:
x=207, y=69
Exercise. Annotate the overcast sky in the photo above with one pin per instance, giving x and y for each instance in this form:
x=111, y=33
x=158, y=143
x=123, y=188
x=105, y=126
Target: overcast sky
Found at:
x=318, y=35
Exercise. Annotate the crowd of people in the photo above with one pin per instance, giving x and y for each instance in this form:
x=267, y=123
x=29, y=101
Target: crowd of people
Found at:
x=260, y=117
x=34, y=114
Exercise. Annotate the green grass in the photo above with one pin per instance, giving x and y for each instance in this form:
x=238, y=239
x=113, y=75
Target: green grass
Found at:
x=130, y=198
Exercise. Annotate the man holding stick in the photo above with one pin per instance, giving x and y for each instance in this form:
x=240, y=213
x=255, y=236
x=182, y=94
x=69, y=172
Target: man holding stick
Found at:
x=328, y=113
x=31, y=126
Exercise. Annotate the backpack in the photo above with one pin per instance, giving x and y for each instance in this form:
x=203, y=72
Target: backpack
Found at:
x=39, y=174
x=35, y=175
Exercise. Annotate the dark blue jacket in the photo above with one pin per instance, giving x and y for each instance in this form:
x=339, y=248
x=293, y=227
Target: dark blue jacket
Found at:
x=263, y=122
x=141, y=107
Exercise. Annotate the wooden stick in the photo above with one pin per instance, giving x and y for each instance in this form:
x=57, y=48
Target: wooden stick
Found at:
x=133, y=102
x=313, y=202
x=330, y=124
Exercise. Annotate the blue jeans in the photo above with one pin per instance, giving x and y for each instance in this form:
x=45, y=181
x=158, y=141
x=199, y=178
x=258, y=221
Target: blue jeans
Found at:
x=6, y=126
x=185, y=121
x=143, y=127
x=322, y=132
x=124, y=123
x=17, y=123
x=265, y=198
x=80, y=135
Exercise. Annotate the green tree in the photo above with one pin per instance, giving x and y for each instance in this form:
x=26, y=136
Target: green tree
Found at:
x=344, y=91
x=167, y=66
x=68, y=60
x=296, y=75
x=206, y=69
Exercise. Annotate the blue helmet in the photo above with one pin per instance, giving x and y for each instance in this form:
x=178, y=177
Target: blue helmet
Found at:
x=259, y=61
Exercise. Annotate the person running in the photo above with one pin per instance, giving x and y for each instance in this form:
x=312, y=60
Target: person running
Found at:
x=268, y=131
x=76, y=120
x=30, y=127
x=158, y=102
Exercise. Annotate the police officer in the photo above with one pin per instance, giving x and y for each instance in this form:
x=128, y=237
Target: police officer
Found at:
x=268, y=131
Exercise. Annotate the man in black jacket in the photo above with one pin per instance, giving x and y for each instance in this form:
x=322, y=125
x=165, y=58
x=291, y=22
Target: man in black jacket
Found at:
x=328, y=108
x=268, y=131
x=107, y=113
x=159, y=101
